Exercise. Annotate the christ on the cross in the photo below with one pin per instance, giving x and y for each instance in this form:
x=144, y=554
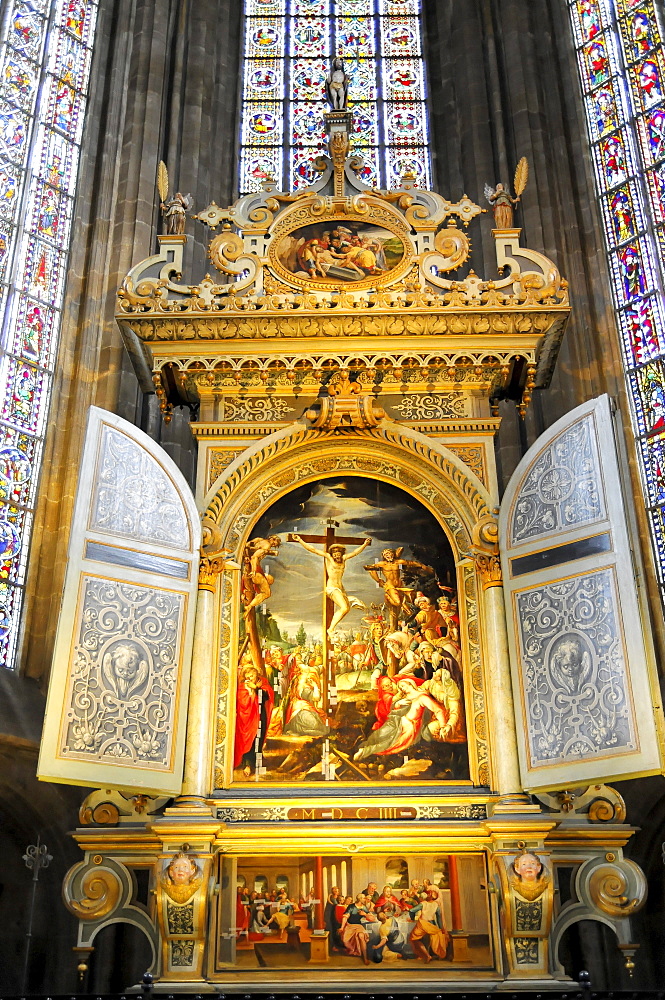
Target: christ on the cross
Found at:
x=336, y=558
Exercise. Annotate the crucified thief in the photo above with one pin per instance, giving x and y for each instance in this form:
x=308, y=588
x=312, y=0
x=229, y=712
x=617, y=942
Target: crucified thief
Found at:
x=336, y=559
x=391, y=582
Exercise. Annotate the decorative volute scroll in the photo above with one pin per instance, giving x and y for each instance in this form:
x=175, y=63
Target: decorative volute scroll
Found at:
x=117, y=699
x=581, y=662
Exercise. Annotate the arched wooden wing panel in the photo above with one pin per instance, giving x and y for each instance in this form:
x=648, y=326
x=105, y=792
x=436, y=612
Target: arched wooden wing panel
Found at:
x=586, y=702
x=117, y=702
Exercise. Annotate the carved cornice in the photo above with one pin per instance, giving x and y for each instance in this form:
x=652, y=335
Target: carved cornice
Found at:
x=301, y=371
x=154, y=318
x=253, y=432
x=287, y=281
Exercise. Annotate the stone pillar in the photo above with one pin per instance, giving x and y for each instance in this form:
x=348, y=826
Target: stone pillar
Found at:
x=505, y=763
x=501, y=711
x=199, y=744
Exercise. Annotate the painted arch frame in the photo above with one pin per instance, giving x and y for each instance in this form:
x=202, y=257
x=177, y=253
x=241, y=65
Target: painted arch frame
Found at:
x=296, y=455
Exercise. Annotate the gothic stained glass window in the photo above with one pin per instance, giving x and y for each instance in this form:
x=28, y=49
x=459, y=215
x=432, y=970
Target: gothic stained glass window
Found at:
x=45, y=52
x=622, y=70
x=288, y=47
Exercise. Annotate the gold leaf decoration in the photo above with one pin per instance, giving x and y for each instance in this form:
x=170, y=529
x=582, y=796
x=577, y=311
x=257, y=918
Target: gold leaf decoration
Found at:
x=603, y=810
x=104, y=814
x=454, y=246
x=521, y=176
x=101, y=892
x=162, y=180
x=608, y=886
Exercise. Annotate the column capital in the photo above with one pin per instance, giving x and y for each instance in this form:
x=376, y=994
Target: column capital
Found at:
x=485, y=550
x=210, y=566
x=489, y=568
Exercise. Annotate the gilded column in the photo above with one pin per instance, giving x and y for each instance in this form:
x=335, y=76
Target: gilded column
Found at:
x=199, y=745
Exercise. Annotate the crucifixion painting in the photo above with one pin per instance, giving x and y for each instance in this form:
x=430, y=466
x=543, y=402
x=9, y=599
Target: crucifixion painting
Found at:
x=349, y=669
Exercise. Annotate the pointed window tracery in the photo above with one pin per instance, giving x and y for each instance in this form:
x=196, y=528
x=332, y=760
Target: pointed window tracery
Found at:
x=621, y=60
x=288, y=47
x=45, y=53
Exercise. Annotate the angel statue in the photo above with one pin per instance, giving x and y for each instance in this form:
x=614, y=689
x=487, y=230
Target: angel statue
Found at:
x=501, y=199
x=337, y=85
x=173, y=209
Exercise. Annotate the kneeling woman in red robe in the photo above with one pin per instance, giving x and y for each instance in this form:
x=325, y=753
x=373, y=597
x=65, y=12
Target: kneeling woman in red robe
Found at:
x=254, y=703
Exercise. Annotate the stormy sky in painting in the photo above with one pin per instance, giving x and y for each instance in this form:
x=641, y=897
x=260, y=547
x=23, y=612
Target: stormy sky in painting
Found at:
x=363, y=508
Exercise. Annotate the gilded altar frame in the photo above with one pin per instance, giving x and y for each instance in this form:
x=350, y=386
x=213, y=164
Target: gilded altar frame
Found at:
x=297, y=455
x=261, y=340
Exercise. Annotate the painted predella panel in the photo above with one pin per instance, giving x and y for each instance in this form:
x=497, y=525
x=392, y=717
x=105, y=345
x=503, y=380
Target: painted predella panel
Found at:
x=403, y=912
x=340, y=251
x=349, y=661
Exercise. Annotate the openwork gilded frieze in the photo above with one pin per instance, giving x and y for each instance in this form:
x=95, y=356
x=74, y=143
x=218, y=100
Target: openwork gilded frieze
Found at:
x=339, y=261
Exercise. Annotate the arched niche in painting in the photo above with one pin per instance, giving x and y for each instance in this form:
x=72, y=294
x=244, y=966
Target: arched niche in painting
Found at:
x=349, y=665
x=430, y=480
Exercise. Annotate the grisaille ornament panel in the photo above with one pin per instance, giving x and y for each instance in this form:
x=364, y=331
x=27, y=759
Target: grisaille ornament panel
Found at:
x=582, y=665
x=563, y=489
x=117, y=700
x=133, y=496
x=124, y=675
x=576, y=685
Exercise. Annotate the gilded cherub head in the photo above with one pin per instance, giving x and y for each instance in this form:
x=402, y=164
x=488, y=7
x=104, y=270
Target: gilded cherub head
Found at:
x=527, y=875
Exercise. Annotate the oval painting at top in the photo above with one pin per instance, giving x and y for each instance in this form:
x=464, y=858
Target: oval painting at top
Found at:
x=340, y=251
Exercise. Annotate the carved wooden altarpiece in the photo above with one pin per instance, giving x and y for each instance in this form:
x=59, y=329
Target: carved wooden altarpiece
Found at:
x=360, y=721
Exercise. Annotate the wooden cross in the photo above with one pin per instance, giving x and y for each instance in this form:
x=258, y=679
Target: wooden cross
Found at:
x=329, y=539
